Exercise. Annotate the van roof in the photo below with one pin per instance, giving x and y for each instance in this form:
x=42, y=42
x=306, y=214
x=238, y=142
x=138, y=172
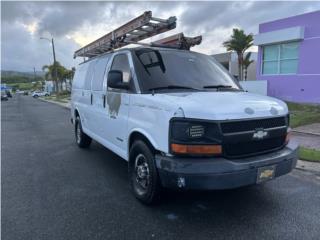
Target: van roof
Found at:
x=134, y=49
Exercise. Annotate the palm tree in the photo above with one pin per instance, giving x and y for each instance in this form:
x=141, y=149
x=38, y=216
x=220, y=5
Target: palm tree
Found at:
x=49, y=74
x=246, y=64
x=50, y=71
x=239, y=42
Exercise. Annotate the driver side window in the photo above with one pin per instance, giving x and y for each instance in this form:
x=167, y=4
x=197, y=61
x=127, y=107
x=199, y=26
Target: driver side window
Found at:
x=121, y=63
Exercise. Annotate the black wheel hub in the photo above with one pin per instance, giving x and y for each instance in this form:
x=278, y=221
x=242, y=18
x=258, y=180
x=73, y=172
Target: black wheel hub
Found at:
x=142, y=173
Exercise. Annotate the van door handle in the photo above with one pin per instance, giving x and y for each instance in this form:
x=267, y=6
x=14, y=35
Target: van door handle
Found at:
x=91, y=96
x=104, y=100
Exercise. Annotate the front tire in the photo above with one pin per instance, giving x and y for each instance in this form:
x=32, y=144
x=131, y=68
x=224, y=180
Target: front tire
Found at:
x=82, y=139
x=143, y=174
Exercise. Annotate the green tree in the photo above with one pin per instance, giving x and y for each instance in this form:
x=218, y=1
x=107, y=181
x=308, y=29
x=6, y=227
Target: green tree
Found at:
x=239, y=42
x=246, y=64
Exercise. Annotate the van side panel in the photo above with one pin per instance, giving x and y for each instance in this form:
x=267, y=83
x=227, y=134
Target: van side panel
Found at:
x=81, y=92
x=151, y=119
x=99, y=110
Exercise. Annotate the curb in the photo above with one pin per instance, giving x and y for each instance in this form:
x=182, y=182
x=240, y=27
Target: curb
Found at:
x=308, y=133
x=54, y=102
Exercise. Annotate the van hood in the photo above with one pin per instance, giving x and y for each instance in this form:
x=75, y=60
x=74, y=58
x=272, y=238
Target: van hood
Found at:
x=225, y=105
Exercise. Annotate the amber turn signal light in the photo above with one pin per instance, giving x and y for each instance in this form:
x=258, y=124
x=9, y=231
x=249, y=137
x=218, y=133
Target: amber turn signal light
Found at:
x=196, y=149
x=288, y=136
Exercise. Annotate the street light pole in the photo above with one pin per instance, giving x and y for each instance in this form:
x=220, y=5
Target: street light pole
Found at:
x=54, y=61
x=53, y=51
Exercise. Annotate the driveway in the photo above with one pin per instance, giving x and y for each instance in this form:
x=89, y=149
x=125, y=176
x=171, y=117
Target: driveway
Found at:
x=51, y=189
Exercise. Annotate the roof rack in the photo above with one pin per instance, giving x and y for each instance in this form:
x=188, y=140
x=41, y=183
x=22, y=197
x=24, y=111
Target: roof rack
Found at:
x=180, y=41
x=140, y=28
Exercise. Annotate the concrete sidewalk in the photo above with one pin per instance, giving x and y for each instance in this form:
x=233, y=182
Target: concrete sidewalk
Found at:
x=313, y=129
x=307, y=136
x=309, y=166
x=65, y=105
x=306, y=140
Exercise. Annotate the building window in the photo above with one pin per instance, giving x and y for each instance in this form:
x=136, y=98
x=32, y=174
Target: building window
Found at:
x=280, y=58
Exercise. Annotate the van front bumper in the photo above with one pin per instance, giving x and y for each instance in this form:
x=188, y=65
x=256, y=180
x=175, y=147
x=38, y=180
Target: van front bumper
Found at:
x=221, y=173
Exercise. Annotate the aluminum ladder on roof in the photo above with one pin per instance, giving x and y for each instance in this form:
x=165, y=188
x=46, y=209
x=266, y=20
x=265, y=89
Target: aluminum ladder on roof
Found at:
x=179, y=41
x=138, y=29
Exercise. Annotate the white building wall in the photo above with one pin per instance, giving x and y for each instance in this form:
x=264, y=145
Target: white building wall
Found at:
x=258, y=87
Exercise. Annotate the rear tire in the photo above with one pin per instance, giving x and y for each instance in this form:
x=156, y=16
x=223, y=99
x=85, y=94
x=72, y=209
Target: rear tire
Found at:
x=143, y=174
x=82, y=139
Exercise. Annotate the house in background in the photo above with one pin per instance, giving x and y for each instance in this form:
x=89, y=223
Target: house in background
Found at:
x=230, y=61
x=289, y=57
x=48, y=86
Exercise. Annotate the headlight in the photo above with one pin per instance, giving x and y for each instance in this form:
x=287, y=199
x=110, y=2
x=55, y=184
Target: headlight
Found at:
x=194, y=137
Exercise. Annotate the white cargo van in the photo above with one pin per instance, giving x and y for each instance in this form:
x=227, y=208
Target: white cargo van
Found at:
x=180, y=120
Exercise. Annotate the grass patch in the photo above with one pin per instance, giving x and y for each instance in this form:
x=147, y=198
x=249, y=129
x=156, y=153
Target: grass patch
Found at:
x=303, y=114
x=63, y=97
x=21, y=86
x=309, y=154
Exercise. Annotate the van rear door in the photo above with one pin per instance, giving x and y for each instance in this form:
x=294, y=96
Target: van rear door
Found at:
x=81, y=93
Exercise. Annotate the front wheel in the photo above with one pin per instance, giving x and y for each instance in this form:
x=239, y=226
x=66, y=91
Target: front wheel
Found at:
x=82, y=139
x=143, y=174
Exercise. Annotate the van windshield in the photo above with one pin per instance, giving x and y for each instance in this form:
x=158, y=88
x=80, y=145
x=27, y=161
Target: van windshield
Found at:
x=180, y=71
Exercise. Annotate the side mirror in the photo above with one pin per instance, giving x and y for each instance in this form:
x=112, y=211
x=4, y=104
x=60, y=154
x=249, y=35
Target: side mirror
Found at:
x=115, y=80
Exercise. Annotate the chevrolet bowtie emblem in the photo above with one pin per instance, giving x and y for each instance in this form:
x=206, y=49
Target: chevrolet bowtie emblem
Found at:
x=260, y=134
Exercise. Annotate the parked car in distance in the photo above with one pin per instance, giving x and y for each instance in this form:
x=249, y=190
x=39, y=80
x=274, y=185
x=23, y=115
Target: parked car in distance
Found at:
x=180, y=120
x=37, y=94
x=4, y=96
x=9, y=94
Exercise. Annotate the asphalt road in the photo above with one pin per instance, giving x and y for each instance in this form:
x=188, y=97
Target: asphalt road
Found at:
x=51, y=189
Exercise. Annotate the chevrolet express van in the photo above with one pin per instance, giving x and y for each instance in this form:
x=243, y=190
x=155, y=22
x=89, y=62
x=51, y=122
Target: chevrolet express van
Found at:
x=180, y=120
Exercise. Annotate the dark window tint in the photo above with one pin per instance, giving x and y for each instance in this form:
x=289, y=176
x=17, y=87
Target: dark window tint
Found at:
x=162, y=68
x=121, y=63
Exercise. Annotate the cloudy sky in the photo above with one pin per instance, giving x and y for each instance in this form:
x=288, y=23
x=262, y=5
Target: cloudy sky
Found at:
x=74, y=24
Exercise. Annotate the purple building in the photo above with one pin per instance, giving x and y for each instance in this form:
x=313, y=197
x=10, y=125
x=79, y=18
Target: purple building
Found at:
x=289, y=57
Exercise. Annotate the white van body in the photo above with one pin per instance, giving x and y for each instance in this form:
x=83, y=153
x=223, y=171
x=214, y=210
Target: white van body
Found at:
x=114, y=117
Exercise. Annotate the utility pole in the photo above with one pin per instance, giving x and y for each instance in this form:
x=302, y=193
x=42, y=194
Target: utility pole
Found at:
x=55, y=77
x=55, y=66
x=34, y=73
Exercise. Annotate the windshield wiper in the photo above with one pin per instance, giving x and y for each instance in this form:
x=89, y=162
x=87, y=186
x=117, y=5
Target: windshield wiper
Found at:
x=218, y=87
x=172, y=87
